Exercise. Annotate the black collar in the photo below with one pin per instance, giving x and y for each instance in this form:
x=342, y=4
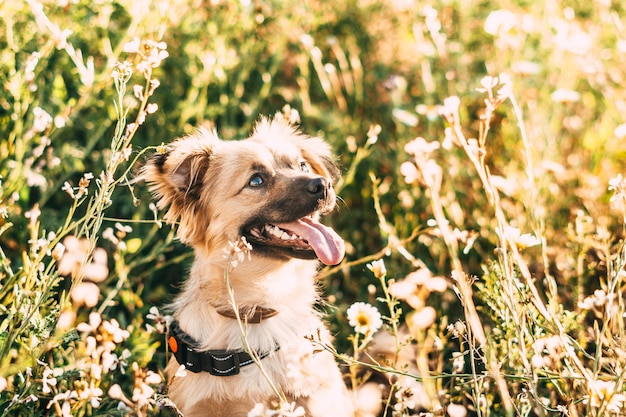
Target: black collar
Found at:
x=215, y=362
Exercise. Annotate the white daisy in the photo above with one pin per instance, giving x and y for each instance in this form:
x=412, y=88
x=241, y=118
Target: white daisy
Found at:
x=365, y=318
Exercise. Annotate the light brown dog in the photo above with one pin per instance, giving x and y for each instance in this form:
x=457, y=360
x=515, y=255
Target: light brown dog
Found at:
x=269, y=189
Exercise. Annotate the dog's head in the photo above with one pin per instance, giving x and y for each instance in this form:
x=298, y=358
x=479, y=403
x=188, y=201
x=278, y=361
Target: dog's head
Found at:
x=269, y=188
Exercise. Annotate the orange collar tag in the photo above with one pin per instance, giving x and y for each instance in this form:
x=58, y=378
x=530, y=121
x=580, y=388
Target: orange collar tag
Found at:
x=173, y=344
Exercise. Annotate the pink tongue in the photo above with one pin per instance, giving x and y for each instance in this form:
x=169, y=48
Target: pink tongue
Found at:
x=326, y=243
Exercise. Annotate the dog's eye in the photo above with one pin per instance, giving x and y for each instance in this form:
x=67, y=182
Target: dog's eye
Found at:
x=255, y=181
x=305, y=167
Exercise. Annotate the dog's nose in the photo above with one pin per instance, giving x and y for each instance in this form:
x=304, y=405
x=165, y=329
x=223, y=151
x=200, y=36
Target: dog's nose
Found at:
x=318, y=186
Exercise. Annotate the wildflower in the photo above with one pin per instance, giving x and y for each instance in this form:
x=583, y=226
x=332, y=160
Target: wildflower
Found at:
x=83, y=183
x=65, y=398
x=499, y=22
x=152, y=108
x=132, y=46
x=307, y=40
x=369, y=397
x=34, y=178
x=154, y=84
x=618, y=186
x=114, y=361
x=415, y=288
x=160, y=321
x=142, y=391
x=290, y=114
x=115, y=392
x=257, y=411
x=153, y=378
x=67, y=187
x=85, y=294
x=33, y=215
x=59, y=121
x=3, y=383
x=565, y=96
x=181, y=372
x=122, y=72
x=572, y=39
x=458, y=362
x=285, y=410
x=432, y=174
x=457, y=329
x=420, y=148
x=378, y=268
x=430, y=111
x=48, y=381
x=522, y=241
x=73, y=262
x=456, y=410
x=372, y=134
x=365, y=318
x=404, y=400
x=113, y=329
x=506, y=87
x=562, y=409
x=29, y=67
x=141, y=118
x=450, y=109
x=598, y=299
x=488, y=82
x=526, y=67
x=405, y=117
x=161, y=149
x=290, y=410
x=238, y=252
x=42, y=120
x=152, y=54
x=94, y=322
x=604, y=393
x=57, y=252
x=138, y=91
x=66, y=319
x=94, y=395
x=620, y=131
x=548, y=352
x=38, y=244
x=449, y=139
x=424, y=318
x=96, y=371
x=409, y=172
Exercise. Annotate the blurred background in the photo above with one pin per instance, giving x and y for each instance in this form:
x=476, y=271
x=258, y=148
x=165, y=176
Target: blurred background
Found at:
x=368, y=76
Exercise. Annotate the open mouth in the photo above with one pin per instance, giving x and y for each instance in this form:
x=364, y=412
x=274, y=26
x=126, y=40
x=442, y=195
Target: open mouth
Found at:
x=304, y=238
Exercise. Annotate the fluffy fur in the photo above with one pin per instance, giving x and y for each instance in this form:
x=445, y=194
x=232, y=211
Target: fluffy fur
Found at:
x=218, y=191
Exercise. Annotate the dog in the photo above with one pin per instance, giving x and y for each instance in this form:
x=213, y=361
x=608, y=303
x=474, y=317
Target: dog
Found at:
x=250, y=210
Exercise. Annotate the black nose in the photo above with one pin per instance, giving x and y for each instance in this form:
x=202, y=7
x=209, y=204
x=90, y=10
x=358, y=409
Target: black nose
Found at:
x=318, y=187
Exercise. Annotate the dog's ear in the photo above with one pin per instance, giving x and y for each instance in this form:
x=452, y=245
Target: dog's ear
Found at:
x=176, y=176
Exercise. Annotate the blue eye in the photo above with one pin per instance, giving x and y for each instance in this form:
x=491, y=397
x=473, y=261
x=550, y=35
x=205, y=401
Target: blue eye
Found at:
x=305, y=167
x=255, y=181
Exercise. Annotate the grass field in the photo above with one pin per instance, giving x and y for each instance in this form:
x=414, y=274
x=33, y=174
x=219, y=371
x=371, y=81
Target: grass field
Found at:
x=483, y=201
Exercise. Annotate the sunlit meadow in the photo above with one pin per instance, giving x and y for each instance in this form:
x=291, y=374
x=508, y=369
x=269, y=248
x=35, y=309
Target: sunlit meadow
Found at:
x=483, y=199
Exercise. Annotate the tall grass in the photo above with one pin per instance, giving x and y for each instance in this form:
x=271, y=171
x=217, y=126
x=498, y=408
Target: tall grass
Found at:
x=483, y=198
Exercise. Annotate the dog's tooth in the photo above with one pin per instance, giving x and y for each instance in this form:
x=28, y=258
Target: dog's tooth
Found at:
x=255, y=232
x=293, y=237
x=275, y=231
x=285, y=236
